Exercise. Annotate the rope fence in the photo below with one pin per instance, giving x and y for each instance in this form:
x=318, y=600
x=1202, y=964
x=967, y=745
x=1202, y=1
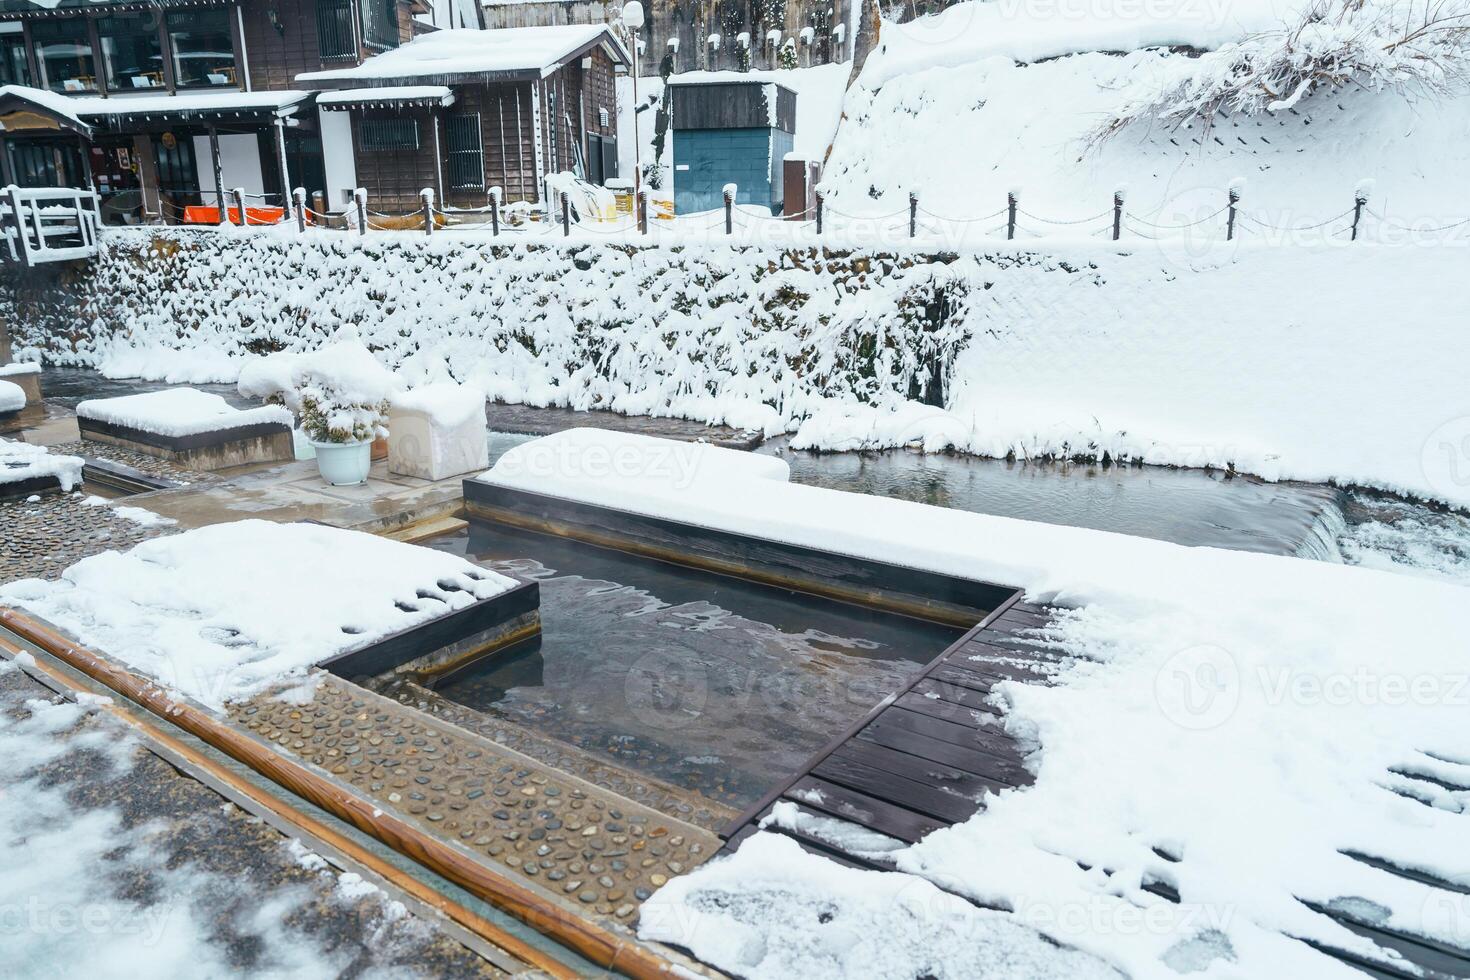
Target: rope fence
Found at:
x=560, y=216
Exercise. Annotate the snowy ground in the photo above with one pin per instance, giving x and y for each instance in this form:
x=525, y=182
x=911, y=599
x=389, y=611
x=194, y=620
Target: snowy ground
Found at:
x=118, y=866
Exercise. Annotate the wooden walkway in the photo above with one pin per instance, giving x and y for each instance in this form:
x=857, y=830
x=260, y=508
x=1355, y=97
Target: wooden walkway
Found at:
x=925, y=757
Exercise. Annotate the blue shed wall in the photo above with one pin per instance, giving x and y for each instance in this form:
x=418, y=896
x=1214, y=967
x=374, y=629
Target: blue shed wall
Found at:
x=748, y=158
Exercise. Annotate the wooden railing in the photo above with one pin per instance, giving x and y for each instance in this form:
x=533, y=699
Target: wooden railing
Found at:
x=48, y=224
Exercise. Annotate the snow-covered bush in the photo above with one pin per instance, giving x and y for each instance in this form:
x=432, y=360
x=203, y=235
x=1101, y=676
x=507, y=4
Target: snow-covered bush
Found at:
x=339, y=392
x=1332, y=43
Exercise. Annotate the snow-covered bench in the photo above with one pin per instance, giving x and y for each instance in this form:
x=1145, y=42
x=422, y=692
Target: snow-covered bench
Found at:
x=197, y=429
x=226, y=612
x=26, y=470
x=438, y=431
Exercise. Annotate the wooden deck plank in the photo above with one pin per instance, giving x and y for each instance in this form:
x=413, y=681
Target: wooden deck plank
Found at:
x=949, y=673
x=910, y=794
x=950, y=778
x=959, y=714
x=954, y=693
x=1007, y=770
x=860, y=808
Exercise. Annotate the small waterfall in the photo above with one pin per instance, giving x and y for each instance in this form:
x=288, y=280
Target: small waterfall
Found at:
x=1324, y=535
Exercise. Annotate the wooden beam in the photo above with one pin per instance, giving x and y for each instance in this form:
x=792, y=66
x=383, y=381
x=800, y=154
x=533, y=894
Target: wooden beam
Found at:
x=592, y=941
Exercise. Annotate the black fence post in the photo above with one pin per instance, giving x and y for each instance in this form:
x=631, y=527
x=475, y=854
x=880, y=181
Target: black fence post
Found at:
x=239, y=195
x=1234, y=206
x=1011, y=201
x=821, y=200
x=427, y=196
x=495, y=193
x=913, y=214
x=1117, y=214
x=1360, y=200
x=359, y=198
x=566, y=215
x=730, y=192
x=640, y=205
x=299, y=197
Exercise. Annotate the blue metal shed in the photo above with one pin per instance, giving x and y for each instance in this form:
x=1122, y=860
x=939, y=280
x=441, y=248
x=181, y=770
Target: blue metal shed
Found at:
x=730, y=132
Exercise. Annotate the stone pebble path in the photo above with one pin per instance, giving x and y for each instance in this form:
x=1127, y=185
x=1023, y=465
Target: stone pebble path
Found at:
x=583, y=847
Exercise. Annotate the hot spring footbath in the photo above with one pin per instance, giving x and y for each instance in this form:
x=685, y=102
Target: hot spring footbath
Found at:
x=193, y=427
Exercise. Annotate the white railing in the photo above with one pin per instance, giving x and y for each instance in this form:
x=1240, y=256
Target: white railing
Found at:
x=48, y=224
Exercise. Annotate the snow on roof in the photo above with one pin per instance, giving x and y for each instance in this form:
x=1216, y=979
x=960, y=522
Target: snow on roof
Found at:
x=12, y=397
x=54, y=102
x=440, y=94
x=1244, y=713
x=223, y=612
x=22, y=461
x=93, y=107
x=467, y=51
x=178, y=412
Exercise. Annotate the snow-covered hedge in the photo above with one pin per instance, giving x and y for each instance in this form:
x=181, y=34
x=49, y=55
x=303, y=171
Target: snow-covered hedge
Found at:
x=1315, y=363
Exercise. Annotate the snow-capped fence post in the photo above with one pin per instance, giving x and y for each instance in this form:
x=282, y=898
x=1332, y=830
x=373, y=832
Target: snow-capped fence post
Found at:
x=913, y=214
x=1233, y=205
x=239, y=195
x=1011, y=199
x=566, y=215
x=729, y=192
x=299, y=197
x=495, y=193
x=359, y=199
x=1360, y=201
x=640, y=205
x=820, y=202
x=427, y=196
x=1117, y=213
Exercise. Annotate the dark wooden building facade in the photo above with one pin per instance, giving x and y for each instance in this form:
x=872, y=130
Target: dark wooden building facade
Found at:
x=186, y=100
x=542, y=100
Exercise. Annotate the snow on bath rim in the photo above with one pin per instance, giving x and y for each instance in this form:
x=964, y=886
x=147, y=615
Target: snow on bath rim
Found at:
x=1251, y=715
x=220, y=613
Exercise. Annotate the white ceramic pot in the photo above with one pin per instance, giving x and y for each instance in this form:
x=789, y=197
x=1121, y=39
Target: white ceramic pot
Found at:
x=344, y=464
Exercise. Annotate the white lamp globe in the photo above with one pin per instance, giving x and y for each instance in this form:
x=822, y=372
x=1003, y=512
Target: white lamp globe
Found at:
x=633, y=14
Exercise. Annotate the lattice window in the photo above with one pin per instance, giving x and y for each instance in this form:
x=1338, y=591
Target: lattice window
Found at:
x=389, y=134
x=466, y=151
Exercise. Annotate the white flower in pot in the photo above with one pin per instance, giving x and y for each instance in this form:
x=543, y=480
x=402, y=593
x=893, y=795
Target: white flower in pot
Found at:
x=341, y=431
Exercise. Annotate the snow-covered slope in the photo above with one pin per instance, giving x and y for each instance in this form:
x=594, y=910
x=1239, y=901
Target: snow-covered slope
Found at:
x=989, y=97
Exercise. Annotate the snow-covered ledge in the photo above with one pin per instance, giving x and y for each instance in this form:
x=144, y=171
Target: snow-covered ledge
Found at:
x=734, y=513
x=27, y=470
x=195, y=428
x=222, y=613
x=27, y=377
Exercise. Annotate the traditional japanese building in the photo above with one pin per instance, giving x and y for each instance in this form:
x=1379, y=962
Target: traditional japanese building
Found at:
x=161, y=105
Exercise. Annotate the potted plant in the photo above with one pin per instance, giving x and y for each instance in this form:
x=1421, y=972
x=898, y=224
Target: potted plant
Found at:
x=341, y=431
x=339, y=393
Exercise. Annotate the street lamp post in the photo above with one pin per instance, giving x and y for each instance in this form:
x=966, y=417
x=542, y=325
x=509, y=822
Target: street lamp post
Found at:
x=633, y=18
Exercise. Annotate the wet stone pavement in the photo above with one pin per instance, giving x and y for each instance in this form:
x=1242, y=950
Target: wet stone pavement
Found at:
x=582, y=846
x=42, y=539
x=175, y=870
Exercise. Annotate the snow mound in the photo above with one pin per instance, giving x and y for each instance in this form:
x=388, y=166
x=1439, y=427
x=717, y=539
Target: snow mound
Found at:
x=178, y=412
x=450, y=405
x=1256, y=717
x=12, y=397
x=974, y=88
x=22, y=461
x=222, y=612
x=344, y=365
x=19, y=368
